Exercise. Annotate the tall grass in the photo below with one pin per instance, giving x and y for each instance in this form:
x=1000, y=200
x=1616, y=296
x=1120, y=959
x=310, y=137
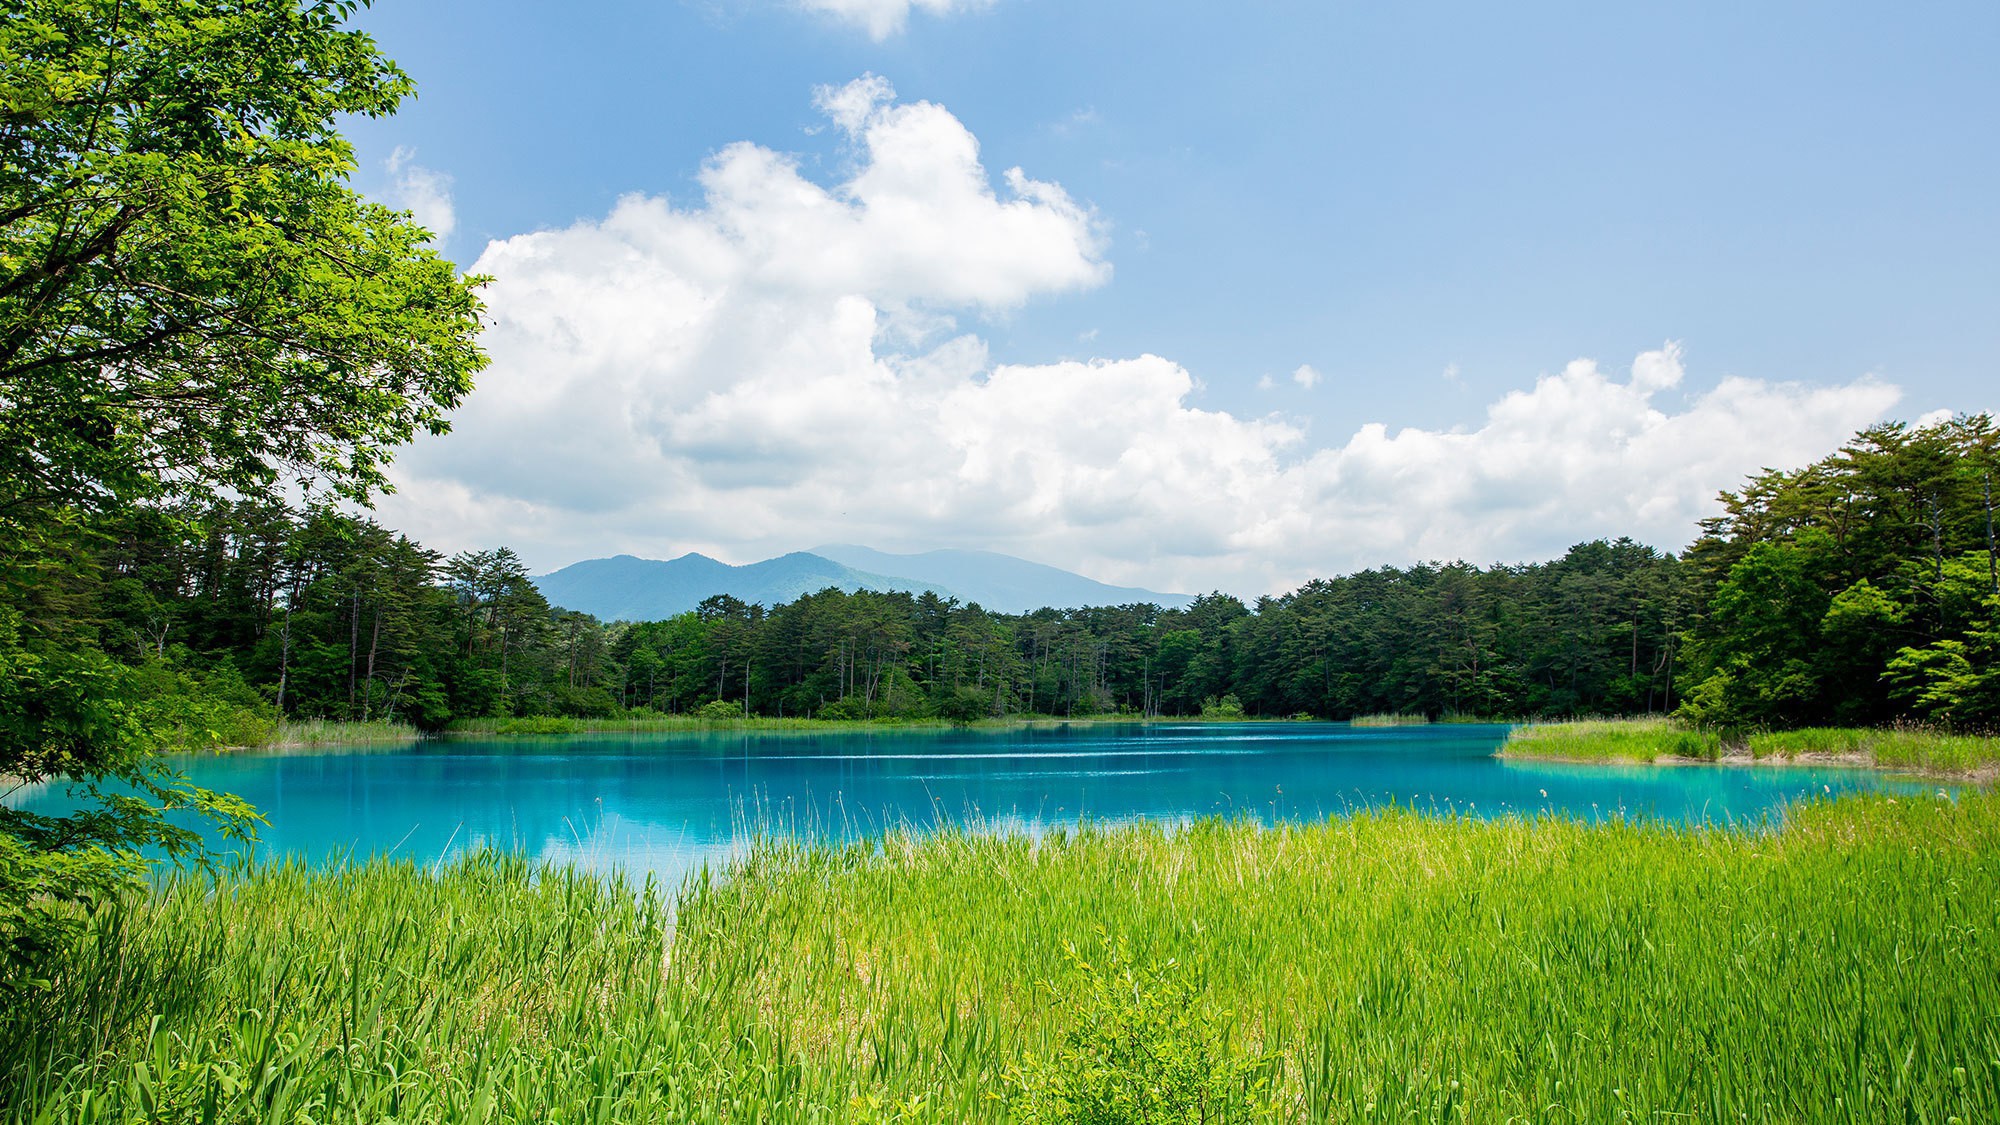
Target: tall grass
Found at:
x=545, y=725
x=332, y=732
x=542, y=725
x=1612, y=740
x=1388, y=967
x=1389, y=720
x=1907, y=747
x=1650, y=739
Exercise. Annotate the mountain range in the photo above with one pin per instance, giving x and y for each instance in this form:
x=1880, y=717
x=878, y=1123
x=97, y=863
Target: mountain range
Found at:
x=625, y=588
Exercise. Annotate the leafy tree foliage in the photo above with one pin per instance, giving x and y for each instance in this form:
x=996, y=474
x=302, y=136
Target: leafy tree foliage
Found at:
x=192, y=298
x=193, y=304
x=332, y=616
x=1858, y=589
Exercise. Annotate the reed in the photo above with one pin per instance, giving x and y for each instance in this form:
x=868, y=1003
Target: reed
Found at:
x=1920, y=749
x=1612, y=740
x=1903, y=747
x=1389, y=720
x=544, y=725
x=332, y=732
x=1386, y=967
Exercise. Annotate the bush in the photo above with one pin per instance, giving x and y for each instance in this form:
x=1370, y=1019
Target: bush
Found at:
x=1140, y=1047
x=719, y=710
x=966, y=705
x=845, y=708
x=1228, y=707
x=182, y=709
x=592, y=703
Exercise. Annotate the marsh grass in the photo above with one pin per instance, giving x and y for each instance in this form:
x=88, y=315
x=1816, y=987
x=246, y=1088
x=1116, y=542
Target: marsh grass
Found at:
x=1389, y=720
x=1651, y=739
x=330, y=732
x=1387, y=967
x=1612, y=740
x=553, y=725
x=1904, y=747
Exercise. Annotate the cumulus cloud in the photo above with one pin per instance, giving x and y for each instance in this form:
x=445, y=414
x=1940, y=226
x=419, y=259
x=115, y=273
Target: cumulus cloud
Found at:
x=423, y=192
x=1306, y=376
x=884, y=18
x=782, y=364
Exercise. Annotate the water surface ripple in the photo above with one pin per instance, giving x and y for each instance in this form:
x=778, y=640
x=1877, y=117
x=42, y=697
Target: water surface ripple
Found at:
x=665, y=803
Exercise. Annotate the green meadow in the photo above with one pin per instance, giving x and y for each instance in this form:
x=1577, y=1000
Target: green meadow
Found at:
x=1388, y=967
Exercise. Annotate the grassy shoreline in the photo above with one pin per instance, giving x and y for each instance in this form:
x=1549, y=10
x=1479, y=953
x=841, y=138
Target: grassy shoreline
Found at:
x=308, y=733
x=1661, y=741
x=1389, y=966
x=561, y=725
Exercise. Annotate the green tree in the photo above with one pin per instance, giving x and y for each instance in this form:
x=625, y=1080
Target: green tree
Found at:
x=193, y=303
x=192, y=297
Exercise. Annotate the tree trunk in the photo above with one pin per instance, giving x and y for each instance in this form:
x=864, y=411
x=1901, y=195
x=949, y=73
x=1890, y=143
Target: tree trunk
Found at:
x=284, y=656
x=353, y=645
x=374, y=644
x=1992, y=559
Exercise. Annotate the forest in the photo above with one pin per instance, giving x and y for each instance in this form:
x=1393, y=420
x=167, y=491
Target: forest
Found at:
x=1859, y=589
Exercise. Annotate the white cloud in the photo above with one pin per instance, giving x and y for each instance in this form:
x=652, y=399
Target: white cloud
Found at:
x=423, y=192
x=1305, y=376
x=1265, y=382
x=884, y=18
x=782, y=365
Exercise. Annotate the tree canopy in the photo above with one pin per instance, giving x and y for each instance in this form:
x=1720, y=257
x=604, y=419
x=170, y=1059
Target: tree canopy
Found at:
x=192, y=297
x=194, y=304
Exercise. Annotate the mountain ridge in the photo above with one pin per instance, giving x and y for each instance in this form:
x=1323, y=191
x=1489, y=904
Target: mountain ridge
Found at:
x=1003, y=583
x=628, y=588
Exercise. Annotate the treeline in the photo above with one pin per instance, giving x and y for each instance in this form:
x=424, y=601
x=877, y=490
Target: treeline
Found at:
x=329, y=615
x=1859, y=589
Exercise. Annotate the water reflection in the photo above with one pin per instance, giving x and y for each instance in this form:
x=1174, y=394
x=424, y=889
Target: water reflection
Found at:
x=667, y=803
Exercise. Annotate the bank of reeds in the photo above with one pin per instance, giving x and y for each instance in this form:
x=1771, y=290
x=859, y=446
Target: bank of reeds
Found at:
x=331, y=732
x=1389, y=720
x=1653, y=739
x=545, y=725
x=549, y=725
x=1387, y=967
x=1902, y=747
x=1612, y=740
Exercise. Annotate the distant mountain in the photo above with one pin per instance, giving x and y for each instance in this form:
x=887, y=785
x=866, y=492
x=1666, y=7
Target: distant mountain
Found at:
x=625, y=588
x=998, y=582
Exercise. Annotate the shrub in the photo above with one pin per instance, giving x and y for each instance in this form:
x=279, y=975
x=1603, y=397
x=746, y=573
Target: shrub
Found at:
x=966, y=705
x=1140, y=1047
x=844, y=708
x=1228, y=707
x=719, y=709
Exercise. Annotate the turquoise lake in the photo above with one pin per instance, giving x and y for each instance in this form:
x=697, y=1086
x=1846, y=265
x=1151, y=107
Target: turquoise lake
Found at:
x=664, y=804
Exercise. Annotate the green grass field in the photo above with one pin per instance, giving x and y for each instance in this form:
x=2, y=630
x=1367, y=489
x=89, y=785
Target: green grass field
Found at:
x=1391, y=967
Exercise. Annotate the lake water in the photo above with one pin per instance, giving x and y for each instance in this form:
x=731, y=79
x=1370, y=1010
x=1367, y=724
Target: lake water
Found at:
x=666, y=803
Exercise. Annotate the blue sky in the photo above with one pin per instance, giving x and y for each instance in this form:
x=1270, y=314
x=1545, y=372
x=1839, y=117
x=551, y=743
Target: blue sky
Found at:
x=1433, y=209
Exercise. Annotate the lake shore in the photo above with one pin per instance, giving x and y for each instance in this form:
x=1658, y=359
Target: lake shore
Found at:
x=1385, y=966
x=1961, y=758
x=559, y=725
